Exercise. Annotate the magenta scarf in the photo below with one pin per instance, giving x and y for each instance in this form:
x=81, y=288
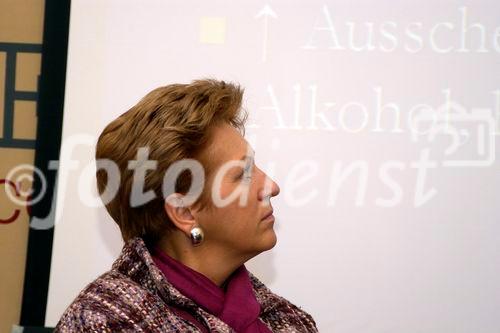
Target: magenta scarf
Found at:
x=237, y=307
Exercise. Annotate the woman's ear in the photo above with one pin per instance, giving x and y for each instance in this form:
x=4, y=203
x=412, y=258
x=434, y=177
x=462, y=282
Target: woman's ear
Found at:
x=179, y=214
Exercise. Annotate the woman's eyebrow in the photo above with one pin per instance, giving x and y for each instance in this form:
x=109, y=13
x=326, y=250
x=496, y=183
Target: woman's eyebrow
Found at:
x=247, y=157
x=250, y=155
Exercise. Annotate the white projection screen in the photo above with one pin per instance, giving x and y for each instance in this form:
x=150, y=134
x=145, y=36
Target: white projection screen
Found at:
x=379, y=121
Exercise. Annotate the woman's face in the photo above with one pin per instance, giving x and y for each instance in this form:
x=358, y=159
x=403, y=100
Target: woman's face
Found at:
x=243, y=226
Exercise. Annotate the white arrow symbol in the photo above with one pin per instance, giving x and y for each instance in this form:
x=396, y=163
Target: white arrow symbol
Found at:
x=265, y=12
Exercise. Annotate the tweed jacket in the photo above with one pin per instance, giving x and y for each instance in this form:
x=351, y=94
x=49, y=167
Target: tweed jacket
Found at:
x=135, y=296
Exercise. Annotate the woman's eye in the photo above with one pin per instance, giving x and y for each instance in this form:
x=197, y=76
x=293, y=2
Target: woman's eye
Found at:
x=247, y=173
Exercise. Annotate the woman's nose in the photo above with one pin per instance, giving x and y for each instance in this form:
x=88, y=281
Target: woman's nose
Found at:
x=270, y=189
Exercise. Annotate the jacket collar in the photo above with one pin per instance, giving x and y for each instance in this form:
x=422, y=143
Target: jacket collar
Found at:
x=135, y=262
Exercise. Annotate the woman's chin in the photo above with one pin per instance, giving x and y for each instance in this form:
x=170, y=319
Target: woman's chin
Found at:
x=264, y=243
x=269, y=240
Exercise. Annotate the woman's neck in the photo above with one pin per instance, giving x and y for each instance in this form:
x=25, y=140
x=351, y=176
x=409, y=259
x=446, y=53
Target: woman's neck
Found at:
x=215, y=263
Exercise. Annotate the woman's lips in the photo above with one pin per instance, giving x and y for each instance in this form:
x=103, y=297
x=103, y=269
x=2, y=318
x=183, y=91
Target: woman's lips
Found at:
x=268, y=216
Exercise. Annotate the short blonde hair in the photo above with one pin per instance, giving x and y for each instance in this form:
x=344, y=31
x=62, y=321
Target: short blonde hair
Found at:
x=175, y=122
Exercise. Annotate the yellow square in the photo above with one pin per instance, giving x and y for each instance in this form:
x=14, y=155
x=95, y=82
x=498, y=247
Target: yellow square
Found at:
x=25, y=120
x=213, y=30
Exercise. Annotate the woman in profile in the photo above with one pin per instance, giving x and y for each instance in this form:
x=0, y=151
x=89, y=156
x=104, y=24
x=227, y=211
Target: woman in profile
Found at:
x=192, y=208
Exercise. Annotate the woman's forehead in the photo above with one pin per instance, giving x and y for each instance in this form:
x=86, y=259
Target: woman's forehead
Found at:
x=227, y=144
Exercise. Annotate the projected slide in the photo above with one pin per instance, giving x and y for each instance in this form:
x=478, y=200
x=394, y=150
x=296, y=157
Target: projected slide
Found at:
x=380, y=121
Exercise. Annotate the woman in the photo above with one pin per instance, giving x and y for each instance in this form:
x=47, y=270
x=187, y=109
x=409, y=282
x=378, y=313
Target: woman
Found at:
x=192, y=208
